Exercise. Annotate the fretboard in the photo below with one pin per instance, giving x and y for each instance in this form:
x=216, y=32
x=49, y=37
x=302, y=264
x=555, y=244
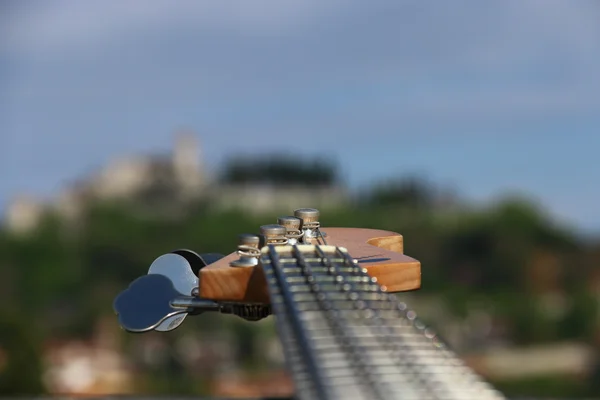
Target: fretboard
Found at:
x=344, y=337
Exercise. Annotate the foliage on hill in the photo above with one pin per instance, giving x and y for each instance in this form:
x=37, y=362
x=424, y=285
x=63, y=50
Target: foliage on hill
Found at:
x=279, y=170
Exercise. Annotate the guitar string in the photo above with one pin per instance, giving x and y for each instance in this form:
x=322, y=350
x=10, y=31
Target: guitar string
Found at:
x=350, y=327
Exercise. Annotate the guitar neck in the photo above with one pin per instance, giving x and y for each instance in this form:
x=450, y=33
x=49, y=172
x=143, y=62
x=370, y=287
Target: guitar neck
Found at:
x=344, y=337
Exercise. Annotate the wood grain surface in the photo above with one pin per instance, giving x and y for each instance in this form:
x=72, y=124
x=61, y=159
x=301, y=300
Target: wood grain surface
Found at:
x=380, y=252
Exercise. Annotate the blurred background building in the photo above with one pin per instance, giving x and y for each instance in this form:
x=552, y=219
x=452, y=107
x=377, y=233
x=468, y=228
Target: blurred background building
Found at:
x=177, y=178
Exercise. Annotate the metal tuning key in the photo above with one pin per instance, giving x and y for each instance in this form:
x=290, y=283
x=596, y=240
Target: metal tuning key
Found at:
x=151, y=302
x=292, y=226
x=162, y=299
x=178, y=269
x=146, y=303
x=310, y=224
x=247, y=250
x=181, y=268
x=274, y=234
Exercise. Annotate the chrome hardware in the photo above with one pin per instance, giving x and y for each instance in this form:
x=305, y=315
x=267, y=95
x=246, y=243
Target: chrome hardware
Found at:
x=179, y=271
x=309, y=217
x=247, y=250
x=310, y=224
x=162, y=299
x=179, y=268
x=274, y=234
x=152, y=303
x=292, y=226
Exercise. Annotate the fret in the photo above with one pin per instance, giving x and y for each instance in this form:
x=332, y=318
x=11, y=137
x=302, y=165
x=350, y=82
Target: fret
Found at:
x=346, y=338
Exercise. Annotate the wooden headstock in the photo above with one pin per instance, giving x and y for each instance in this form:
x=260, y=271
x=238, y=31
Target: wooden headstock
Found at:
x=184, y=282
x=334, y=319
x=380, y=252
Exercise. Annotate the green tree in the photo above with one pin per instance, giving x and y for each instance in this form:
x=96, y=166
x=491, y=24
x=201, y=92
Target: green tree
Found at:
x=22, y=370
x=280, y=170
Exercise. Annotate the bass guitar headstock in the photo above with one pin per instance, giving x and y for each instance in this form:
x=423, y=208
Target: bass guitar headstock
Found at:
x=344, y=336
x=184, y=282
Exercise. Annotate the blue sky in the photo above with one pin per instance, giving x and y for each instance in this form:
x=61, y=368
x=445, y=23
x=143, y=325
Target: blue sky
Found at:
x=490, y=97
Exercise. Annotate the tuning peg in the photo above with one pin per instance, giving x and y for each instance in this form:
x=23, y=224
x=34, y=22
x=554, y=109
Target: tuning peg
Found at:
x=248, y=250
x=310, y=223
x=181, y=267
x=162, y=303
x=146, y=303
x=162, y=299
x=151, y=302
x=292, y=226
x=178, y=269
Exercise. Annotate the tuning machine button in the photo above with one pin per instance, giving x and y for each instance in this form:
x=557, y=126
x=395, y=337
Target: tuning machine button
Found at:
x=151, y=302
x=292, y=227
x=274, y=234
x=178, y=269
x=248, y=250
x=310, y=223
x=146, y=304
x=162, y=299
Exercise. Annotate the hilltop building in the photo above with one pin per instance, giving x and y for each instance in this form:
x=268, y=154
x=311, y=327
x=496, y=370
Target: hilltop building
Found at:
x=167, y=180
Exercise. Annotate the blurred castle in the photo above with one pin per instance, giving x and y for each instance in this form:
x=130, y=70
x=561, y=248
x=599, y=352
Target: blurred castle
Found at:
x=169, y=180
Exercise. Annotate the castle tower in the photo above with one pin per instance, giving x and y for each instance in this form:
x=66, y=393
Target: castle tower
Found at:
x=187, y=165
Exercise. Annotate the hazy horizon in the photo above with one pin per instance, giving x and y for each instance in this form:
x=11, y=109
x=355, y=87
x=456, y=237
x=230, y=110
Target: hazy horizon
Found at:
x=485, y=98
